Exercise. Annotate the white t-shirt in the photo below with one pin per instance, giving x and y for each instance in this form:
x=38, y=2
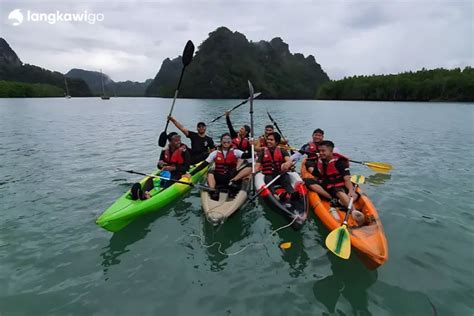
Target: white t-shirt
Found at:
x=238, y=153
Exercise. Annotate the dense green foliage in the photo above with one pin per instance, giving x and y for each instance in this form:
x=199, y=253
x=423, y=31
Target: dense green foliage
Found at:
x=12, y=69
x=120, y=88
x=423, y=85
x=13, y=89
x=226, y=60
x=33, y=74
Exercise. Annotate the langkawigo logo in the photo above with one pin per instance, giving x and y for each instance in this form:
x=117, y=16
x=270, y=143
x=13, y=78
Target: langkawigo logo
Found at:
x=16, y=16
x=55, y=17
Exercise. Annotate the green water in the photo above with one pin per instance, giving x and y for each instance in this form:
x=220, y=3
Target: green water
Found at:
x=57, y=161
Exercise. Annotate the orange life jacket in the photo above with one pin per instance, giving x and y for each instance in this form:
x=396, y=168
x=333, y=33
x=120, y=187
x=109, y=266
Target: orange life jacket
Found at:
x=330, y=176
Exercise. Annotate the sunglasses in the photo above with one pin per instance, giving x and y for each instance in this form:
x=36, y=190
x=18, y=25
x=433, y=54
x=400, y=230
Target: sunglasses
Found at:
x=202, y=126
x=226, y=140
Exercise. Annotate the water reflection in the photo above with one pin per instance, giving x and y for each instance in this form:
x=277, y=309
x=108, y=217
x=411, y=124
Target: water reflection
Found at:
x=378, y=179
x=351, y=280
x=295, y=256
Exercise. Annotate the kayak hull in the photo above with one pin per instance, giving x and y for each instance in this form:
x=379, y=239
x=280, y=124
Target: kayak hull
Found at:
x=368, y=240
x=124, y=210
x=218, y=211
x=289, y=209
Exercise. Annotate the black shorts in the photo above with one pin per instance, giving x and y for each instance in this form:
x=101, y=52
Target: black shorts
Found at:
x=333, y=191
x=223, y=180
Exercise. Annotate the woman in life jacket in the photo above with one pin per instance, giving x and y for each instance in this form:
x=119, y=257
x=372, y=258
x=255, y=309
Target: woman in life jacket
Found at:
x=175, y=158
x=334, y=178
x=225, y=174
x=240, y=140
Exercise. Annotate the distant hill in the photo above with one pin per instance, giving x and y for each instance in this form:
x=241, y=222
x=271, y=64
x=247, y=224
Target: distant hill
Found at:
x=424, y=85
x=13, y=70
x=120, y=89
x=226, y=60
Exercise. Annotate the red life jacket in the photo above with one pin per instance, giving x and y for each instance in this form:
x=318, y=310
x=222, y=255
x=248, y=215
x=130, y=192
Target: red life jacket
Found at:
x=176, y=157
x=224, y=164
x=331, y=176
x=272, y=164
x=241, y=143
x=313, y=150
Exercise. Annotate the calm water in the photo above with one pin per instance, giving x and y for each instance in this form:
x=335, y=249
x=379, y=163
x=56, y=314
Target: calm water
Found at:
x=57, y=161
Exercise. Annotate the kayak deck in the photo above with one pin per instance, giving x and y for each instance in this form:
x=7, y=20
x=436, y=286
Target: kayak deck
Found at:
x=124, y=210
x=369, y=239
x=218, y=211
x=290, y=208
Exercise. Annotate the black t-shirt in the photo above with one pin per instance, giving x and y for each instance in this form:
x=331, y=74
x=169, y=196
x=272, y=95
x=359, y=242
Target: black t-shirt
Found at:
x=200, y=144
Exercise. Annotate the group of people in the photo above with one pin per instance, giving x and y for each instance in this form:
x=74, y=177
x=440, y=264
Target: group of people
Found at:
x=232, y=161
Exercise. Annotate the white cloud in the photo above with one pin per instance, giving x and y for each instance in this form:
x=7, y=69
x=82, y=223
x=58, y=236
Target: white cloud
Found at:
x=346, y=37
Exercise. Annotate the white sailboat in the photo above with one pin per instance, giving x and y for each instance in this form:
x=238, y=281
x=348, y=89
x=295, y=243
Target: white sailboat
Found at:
x=103, y=96
x=67, y=95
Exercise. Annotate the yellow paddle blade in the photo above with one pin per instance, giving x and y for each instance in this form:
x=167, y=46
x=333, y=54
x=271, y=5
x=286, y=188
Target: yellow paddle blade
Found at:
x=185, y=179
x=285, y=245
x=357, y=179
x=382, y=167
x=339, y=242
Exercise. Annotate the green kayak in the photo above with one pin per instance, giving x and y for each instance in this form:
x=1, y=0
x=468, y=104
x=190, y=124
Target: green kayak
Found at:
x=125, y=210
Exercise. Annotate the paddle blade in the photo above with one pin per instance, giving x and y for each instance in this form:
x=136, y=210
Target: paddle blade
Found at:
x=162, y=139
x=339, y=242
x=188, y=53
x=382, y=167
x=357, y=179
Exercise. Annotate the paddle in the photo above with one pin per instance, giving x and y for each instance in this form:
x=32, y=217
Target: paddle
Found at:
x=269, y=183
x=380, y=167
x=194, y=185
x=256, y=95
x=251, y=134
x=339, y=240
x=276, y=125
x=186, y=59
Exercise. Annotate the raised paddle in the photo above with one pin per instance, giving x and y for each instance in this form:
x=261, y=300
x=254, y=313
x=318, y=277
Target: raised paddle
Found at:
x=256, y=95
x=194, y=185
x=276, y=125
x=252, y=135
x=339, y=240
x=186, y=59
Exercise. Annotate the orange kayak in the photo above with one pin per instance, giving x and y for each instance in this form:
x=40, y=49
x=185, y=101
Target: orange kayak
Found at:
x=369, y=239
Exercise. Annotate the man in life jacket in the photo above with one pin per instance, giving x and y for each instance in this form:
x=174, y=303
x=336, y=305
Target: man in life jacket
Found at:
x=273, y=161
x=201, y=144
x=262, y=140
x=225, y=174
x=174, y=158
x=333, y=178
x=311, y=150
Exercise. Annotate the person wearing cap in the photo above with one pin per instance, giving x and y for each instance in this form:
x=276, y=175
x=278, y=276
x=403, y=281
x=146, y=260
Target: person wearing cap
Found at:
x=225, y=174
x=175, y=158
x=201, y=144
x=273, y=161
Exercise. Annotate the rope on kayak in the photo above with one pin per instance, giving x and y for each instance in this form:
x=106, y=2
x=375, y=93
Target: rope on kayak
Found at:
x=246, y=246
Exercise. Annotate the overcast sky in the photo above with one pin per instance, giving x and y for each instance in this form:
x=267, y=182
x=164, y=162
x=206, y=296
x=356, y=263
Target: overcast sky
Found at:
x=346, y=37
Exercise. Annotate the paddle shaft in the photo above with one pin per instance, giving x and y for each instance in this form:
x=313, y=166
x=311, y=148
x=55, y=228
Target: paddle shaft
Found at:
x=160, y=177
x=175, y=97
x=256, y=95
x=276, y=125
x=350, y=207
